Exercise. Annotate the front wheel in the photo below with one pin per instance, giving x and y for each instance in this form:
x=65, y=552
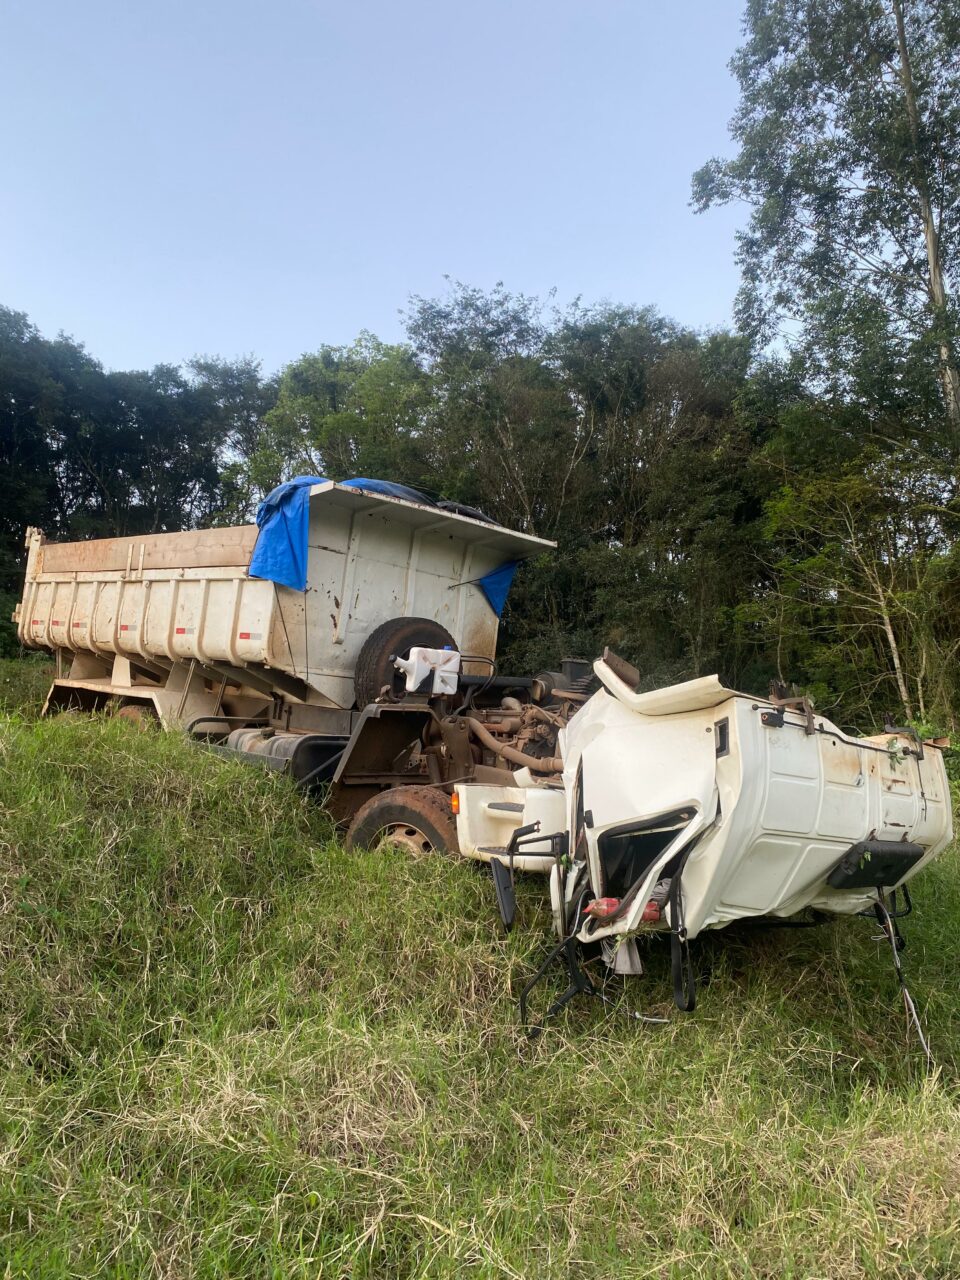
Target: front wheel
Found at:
x=416, y=819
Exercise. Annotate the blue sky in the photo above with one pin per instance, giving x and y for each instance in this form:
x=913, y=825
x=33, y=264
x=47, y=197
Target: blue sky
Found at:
x=230, y=177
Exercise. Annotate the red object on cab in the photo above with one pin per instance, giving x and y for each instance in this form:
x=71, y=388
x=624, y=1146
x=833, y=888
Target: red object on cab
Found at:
x=602, y=908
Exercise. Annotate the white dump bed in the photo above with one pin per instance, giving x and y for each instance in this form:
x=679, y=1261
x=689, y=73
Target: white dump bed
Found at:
x=179, y=597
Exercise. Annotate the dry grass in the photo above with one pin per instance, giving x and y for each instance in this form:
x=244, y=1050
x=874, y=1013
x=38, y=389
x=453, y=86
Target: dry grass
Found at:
x=231, y=1049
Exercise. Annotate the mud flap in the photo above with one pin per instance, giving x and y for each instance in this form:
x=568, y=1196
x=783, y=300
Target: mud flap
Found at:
x=506, y=898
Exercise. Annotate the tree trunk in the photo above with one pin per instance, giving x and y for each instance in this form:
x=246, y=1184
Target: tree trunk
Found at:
x=872, y=578
x=949, y=374
x=895, y=658
x=920, y=678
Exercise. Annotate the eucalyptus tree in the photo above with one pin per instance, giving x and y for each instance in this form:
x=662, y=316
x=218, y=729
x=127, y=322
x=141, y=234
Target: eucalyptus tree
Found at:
x=848, y=152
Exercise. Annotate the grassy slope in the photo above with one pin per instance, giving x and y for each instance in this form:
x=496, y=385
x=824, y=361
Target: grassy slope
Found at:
x=231, y=1049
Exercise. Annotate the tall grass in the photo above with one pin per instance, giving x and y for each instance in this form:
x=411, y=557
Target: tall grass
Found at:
x=232, y=1049
x=24, y=683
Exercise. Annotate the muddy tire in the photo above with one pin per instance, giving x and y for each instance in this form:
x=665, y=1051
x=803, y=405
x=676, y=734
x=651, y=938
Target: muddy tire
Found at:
x=393, y=639
x=417, y=819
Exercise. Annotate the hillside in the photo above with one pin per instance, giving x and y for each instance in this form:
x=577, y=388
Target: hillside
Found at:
x=232, y=1049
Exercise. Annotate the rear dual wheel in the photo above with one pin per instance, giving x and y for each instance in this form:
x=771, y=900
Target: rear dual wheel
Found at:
x=415, y=819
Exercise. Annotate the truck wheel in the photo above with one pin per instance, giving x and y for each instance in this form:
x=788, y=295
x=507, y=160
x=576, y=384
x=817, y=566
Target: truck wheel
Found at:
x=138, y=714
x=393, y=639
x=416, y=819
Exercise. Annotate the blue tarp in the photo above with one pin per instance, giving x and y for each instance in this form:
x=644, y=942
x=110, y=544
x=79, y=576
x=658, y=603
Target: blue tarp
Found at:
x=283, y=518
x=391, y=490
x=495, y=585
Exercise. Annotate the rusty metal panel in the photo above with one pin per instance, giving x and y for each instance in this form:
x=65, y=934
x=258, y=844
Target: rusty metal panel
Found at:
x=193, y=549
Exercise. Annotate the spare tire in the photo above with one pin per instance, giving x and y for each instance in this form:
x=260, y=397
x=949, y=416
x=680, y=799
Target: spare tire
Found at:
x=417, y=819
x=394, y=639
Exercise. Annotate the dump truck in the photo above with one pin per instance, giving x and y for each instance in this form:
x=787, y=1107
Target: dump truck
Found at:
x=188, y=629
x=351, y=640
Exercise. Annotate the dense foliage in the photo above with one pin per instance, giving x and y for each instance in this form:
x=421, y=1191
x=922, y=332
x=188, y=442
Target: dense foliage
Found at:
x=784, y=511
x=712, y=512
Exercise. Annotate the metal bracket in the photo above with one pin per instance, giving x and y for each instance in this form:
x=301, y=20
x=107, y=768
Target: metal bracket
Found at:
x=580, y=984
x=781, y=701
x=907, y=732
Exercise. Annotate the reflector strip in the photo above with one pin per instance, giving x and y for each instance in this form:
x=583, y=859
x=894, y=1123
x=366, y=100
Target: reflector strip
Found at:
x=55, y=622
x=78, y=624
x=244, y=635
x=124, y=626
x=180, y=631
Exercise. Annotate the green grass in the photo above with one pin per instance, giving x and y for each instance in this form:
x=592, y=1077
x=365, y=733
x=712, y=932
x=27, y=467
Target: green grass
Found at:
x=231, y=1049
x=24, y=684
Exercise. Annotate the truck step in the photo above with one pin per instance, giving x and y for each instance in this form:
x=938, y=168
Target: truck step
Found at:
x=505, y=806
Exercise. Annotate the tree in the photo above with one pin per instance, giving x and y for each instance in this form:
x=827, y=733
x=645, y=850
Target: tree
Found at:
x=848, y=135
x=665, y=509
x=615, y=431
x=235, y=399
x=345, y=411
x=135, y=452
x=31, y=397
x=862, y=561
x=87, y=453
x=500, y=431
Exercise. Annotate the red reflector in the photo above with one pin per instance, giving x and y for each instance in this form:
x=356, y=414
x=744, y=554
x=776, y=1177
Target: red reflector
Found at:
x=602, y=908
x=78, y=624
x=124, y=627
x=244, y=635
x=180, y=631
x=54, y=622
